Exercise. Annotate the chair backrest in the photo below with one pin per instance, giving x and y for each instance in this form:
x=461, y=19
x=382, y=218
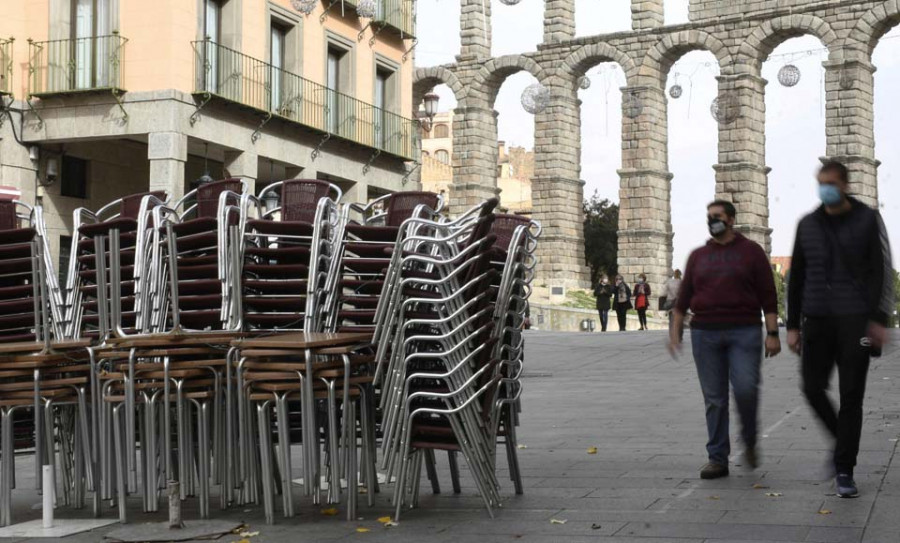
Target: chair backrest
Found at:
x=8, y=218
x=401, y=205
x=131, y=204
x=208, y=196
x=300, y=197
x=505, y=226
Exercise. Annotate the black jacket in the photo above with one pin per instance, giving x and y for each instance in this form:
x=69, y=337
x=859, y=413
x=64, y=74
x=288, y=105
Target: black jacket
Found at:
x=852, y=278
x=615, y=301
x=603, y=294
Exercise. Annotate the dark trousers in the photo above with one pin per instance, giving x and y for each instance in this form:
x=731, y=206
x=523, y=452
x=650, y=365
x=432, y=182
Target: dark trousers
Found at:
x=830, y=342
x=622, y=315
x=604, y=319
x=731, y=355
x=642, y=318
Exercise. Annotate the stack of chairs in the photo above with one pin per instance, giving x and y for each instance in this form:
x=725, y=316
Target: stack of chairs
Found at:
x=449, y=356
x=43, y=380
x=371, y=233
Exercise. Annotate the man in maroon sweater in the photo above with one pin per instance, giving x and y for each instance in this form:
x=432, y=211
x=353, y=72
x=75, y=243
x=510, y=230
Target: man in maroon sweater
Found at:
x=728, y=286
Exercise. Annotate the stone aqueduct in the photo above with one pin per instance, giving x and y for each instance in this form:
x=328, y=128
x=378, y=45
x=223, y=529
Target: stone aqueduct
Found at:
x=741, y=34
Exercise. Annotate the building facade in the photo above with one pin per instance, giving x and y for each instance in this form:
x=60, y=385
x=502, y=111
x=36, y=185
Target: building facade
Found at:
x=105, y=98
x=515, y=166
x=741, y=34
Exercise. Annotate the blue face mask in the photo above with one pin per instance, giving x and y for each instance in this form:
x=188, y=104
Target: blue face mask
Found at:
x=830, y=195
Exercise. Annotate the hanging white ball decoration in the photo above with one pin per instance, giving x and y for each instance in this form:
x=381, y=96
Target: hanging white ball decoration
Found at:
x=366, y=9
x=632, y=105
x=535, y=98
x=510, y=2
x=725, y=109
x=584, y=82
x=789, y=75
x=675, y=91
x=304, y=6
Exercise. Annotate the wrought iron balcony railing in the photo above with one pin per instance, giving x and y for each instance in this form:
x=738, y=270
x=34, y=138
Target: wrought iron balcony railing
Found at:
x=6, y=66
x=236, y=77
x=75, y=65
x=399, y=14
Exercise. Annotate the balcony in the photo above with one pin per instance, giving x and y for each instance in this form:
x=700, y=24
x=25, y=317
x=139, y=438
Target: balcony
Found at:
x=6, y=65
x=76, y=65
x=227, y=74
x=398, y=15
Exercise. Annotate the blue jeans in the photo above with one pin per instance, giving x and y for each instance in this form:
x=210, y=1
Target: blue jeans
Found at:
x=604, y=319
x=734, y=355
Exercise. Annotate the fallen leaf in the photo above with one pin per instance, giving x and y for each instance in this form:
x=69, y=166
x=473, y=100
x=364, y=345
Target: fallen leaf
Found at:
x=774, y=494
x=758, y=486
x=595, y=526
x=363, y=530
x=248, y=534
x=363, y=490
x=714, y=497
x=243, y=541
x=384, y=520
x=521, y=446
x=824, y=512
x=391, y=524
x=558, y=521
x=241, y=528
x=330, y=512
x=592, y=450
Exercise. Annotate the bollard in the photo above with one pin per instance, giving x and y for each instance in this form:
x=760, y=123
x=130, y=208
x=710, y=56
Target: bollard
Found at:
x=48, y=488
x=174, y=494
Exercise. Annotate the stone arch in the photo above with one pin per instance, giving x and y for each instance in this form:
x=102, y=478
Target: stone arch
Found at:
x=772, y=33
x=487, y=82
x=670, y=48
x=585, y=57
x=877, y=22
x=425, y=79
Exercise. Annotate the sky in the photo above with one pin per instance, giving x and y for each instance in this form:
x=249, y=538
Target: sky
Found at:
x=795, y=116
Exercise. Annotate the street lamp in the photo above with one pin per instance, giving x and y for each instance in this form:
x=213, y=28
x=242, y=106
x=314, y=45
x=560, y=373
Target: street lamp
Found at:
x=430, y=104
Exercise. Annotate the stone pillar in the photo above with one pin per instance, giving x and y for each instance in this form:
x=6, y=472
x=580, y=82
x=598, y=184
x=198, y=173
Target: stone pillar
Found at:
x=559, y=20
x=647, y=14
x=645, y=221
x=243, y=164
x=557, y=191
x=475, y=156
x=850, y=124
x=167, y=152
x=742, y=174
x=475, y=29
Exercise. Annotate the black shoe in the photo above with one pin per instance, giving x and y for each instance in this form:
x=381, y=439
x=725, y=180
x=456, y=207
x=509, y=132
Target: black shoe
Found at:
x=714, y=471
x=751, y=458
x=846, y=486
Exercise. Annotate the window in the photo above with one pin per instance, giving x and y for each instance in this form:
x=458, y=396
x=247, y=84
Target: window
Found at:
x=441, y=131
x=212, y=29
x=74, y=177
x=277, y=60
x=442, y=156
x=337, y=79
x=381, y=118
x=425, y=154
x=92, y=24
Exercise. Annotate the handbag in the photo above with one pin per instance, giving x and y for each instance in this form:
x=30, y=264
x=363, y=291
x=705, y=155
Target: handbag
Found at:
x=663, y=303
x=850, y=264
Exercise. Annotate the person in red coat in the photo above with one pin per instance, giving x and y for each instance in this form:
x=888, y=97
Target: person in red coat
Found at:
x=642, y=299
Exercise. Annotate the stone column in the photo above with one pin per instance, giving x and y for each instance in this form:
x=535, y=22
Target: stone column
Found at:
x=559, y=20
x=243, y=164
x=557, y=192
x=850, y=124
x=167, y=152
x=475, y=156
x=742, y=174
x=475, y=29
x=645, y=221
x=647, y=14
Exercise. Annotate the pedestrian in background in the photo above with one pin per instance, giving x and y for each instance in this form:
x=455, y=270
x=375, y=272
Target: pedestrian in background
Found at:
x=622, y=302
x=840, y=298
x=603, y=293
x=670, y=291
x=642, y=299
x=728, y=285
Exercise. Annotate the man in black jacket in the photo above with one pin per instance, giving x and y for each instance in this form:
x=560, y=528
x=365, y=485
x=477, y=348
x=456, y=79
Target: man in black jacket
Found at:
x=840, y=297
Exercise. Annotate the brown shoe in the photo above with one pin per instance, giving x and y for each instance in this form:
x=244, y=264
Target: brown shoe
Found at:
x=751, y=458
x=714, y=471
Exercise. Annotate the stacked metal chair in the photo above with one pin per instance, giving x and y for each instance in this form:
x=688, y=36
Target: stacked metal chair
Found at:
x=43, y=379
x=446, y=323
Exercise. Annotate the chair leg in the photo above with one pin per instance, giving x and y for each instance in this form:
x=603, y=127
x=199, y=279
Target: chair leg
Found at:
x=120, y=463
x=284, y=444
x=49, y=444
x=512, y=455
x=454, y=471
x=265, y=454
x=432, y=471
x=203, y=453
x=5, y=473
x=352, y=473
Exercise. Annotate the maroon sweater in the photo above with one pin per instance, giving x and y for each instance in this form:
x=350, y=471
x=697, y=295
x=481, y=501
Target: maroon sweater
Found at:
x=728, y=285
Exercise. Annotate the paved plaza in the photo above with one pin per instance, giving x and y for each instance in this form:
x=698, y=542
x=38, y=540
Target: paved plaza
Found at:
x=620, y=395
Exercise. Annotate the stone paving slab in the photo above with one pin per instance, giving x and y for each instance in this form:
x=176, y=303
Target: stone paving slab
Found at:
x=642, y=410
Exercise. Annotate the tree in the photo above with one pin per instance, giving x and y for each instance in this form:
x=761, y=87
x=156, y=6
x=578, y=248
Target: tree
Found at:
x=780, y=288
x=601, y=242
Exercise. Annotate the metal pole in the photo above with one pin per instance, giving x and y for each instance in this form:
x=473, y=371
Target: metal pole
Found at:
x=172, y=490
